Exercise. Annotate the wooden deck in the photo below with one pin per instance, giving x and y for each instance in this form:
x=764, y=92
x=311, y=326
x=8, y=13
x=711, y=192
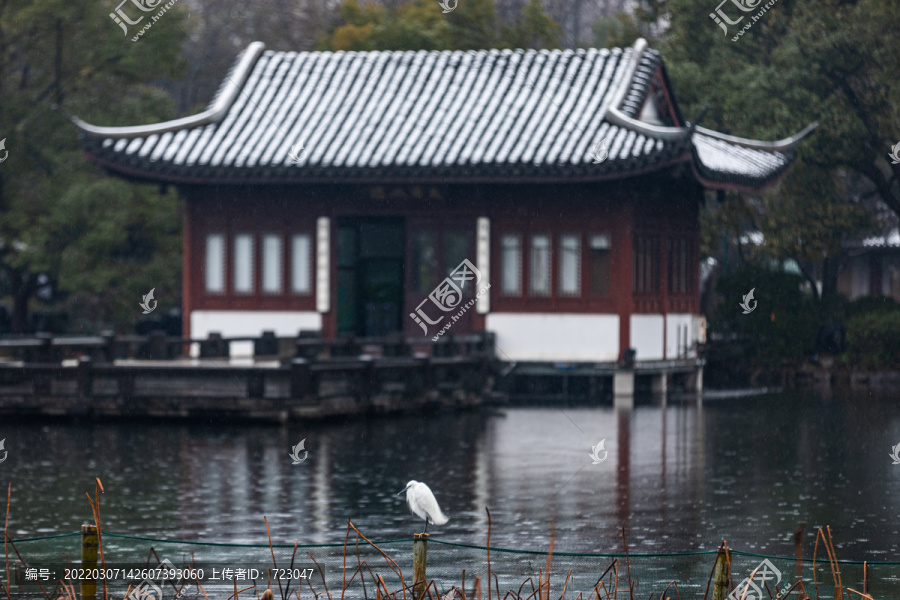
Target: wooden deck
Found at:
x=287, y=379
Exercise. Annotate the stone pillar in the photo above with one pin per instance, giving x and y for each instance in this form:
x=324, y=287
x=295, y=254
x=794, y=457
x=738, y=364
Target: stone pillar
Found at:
x=660, y=384
x=623, y=389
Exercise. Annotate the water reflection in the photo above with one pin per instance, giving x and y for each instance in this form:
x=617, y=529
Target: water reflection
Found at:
x=677, y=477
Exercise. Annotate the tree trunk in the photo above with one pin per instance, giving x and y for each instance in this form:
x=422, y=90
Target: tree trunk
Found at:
x=21, y=293
x=829, y=276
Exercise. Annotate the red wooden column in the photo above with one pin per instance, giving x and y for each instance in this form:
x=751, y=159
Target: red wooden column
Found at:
x=623, y=240
x=329, y=318
x=188, y=273
x=664, y=235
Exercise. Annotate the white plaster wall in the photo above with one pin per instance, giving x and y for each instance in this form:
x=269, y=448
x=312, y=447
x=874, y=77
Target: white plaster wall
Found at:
x=647, y=336
x=676, y=325
x=555, y=337
x=237, y=323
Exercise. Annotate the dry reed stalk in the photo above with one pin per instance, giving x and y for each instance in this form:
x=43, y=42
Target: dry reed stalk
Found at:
x=565, y=586
x=489, y=552
x=274, y=564
x=747, y=589
x=546, y=595
x=798, y=549
x=722, y=548
x=318, y=568
x=838, y=592
x=159, y=562
x=395, y=567
x=287, y=589
x=384, y=587
x=628, y=567
x=24, y=563
x=68, y=592
x=529, y=580
x=605, y=589
x=344, y=559
x=861, y=594
x=616, y=584
x=611, y=565
x=6, y=538
x=478, y=588
x=865, y=577
x=238, y=591
x=677, y=591
x=95, y=508
x=537, y=591
x=832, y=563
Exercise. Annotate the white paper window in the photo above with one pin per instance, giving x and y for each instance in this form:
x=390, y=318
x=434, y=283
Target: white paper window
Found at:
x=511, y=253
x=540, y=265
x=271, y=268
x=569, y=265
x=301, y=246
x=243, y=263
x=215, y=263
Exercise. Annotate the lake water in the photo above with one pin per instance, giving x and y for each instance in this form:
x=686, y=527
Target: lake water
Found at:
x=677, y=478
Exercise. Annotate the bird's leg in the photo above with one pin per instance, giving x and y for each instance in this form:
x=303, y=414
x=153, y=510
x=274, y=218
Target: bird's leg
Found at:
x=426, y=526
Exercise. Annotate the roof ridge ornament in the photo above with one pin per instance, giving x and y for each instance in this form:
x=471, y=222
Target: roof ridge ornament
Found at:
x=616, y=116
x=213, y=114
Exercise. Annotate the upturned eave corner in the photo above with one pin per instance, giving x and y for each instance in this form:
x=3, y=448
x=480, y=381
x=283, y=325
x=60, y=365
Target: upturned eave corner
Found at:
x=215, y=113
x=787, y=144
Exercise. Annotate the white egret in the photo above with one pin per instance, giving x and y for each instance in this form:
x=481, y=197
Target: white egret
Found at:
x=422, y=503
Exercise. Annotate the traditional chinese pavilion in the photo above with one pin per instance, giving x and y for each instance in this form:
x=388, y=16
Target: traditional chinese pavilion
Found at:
x=337, y=191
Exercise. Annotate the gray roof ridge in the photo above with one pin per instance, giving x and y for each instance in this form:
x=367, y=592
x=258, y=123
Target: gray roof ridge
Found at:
x=218, y=108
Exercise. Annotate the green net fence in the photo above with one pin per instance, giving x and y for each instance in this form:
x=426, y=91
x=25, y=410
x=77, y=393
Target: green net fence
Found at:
x=219, y=569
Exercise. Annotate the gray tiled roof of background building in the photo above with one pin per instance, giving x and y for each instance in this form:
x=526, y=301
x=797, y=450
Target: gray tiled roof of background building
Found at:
x=486, y=115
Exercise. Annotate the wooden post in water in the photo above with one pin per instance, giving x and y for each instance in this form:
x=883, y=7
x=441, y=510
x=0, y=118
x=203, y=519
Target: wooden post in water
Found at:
x=420, y=550
x=89, y=545
x=720, y=576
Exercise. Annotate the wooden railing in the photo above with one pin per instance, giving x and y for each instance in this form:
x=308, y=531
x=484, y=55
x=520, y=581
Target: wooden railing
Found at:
x=45, y=348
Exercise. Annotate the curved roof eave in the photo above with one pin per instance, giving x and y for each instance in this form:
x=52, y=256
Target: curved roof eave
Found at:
x=213, y=114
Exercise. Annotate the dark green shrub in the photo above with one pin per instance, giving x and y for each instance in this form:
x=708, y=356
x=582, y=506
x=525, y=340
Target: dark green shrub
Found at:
x=783, y=326
x=873, y=339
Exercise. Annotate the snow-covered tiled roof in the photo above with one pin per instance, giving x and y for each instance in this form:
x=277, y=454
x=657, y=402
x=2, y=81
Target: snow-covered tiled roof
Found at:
x=487, y=115
x=891, y=240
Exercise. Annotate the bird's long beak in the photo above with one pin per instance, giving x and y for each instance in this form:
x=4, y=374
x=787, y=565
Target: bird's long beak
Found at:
x=403, y=490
